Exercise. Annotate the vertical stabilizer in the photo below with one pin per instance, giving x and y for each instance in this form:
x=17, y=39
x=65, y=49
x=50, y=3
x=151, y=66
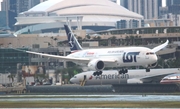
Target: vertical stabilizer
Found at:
x=73, y=43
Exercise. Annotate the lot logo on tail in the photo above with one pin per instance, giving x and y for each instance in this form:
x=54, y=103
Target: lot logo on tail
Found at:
x=71, y=40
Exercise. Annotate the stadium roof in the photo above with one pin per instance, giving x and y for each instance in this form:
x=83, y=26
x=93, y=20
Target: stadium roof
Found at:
x=80, y=13
x=84, y=7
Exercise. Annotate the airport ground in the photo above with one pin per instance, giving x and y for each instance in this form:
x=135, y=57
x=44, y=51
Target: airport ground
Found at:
x=28, y=102
x=90, y=104
x=98, y=96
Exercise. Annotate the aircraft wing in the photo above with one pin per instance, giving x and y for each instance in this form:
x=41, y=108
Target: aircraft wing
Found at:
x=66, y=58
x=156, y=78
x=156, y=49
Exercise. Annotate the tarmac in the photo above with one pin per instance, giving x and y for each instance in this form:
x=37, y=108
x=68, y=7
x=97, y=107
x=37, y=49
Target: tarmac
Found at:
x=52, y=98
x=123, y=88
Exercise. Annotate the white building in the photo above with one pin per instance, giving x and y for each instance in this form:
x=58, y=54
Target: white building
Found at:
x=81, y=14
x=4, y=79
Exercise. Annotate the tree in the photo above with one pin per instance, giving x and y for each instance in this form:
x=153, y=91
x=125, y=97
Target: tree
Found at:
x=88, y=36
x=79, y=39
x=98, y=38
x=11, y=77
x=127, y=40
x=103, y=43
x=63, y=71
x=132, y=40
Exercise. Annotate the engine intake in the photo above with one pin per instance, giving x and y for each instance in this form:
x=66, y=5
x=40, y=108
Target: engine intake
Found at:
x=96, y=65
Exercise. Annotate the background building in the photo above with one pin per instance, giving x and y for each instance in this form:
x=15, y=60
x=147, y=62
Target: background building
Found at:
x=3, y=22
x=9, y=6
x=9, y=59
x=124, y=24
x=148, y=8
x=13, y=7
x=172, y=2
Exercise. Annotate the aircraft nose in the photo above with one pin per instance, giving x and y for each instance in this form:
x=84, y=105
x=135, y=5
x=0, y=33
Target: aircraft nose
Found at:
x=155, y=58
x=71, y=80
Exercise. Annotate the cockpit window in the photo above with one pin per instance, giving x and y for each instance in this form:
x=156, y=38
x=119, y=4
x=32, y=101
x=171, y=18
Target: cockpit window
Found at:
x=150, y=53
x=75, y=77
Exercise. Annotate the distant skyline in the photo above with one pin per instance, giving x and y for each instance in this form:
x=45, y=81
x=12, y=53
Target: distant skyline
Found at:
x=163, y=3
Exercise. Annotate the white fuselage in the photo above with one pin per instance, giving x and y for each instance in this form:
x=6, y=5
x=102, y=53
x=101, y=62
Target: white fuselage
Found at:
x=171, y=79
x=112, y=77
x=125, y=56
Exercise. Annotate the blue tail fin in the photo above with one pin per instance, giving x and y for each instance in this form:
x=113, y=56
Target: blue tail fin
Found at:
x=73, y=43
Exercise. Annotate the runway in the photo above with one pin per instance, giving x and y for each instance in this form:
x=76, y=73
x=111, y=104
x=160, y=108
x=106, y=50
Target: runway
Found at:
x=52, y=98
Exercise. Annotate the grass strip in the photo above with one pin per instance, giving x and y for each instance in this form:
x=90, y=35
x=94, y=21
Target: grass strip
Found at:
x=88, y=104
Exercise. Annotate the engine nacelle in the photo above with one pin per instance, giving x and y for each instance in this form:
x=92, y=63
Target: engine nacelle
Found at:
x=134, y=81
x=96, y=65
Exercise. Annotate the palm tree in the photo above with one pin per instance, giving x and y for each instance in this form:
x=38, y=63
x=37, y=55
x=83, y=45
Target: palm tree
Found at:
x=127, y=40
x=79, y=38
x=98, y=38
x=88, y=36
x=55, y=39
x=132, y=40
x=11, y=76
x=113, y=39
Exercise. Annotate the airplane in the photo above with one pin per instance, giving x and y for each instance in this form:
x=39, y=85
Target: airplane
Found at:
x=98, y=59
x=171, y=79
x=136, y=76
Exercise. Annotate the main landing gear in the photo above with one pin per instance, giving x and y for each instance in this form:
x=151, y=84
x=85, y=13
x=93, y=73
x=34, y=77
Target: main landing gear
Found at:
x=97, y=73
x=123, y=71
x=147, y=69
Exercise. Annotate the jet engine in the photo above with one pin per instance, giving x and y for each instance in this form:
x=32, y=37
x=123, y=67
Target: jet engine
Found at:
x=96, y=65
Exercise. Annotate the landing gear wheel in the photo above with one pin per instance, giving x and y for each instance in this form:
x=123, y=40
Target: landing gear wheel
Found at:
x=123, y=71
x=97, y=73
x=126, y=70
x=100, y=72
x=120, y=71
x=147, y=69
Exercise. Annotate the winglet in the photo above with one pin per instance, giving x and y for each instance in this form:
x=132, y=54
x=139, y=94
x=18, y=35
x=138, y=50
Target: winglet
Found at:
x=156, y=49
x=73, y=43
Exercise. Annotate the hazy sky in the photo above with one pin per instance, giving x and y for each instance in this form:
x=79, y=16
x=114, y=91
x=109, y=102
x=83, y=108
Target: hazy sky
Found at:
x=164, y=3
